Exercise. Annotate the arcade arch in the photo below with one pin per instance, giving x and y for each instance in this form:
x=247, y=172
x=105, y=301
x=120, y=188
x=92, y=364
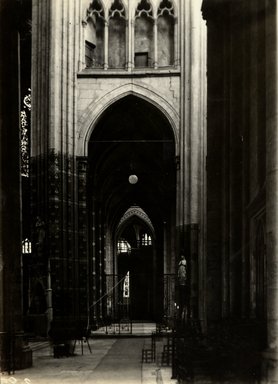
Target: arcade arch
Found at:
x=132, y=137
x=97, y=108
x=138, y=261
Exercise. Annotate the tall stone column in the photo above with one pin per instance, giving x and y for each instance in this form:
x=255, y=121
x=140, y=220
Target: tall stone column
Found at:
x=13, y=353
x=191, y=177
x=131, y=44
x=176, y=42
x=270, y=367
x=82, y=277
x=106, y=42
x=57, y=34
x=130, y=39
x=155, y=43
x=127, y=61
x=93, y=297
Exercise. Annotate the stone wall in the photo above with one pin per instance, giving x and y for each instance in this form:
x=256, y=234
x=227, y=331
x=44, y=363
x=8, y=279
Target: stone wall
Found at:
x=91, y=89
x=97, y=91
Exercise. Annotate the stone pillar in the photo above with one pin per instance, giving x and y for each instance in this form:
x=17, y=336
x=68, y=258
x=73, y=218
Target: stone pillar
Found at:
x=155, y=43
x=56, y=31
x=270, y=366
x=13, y=353
x=183, y=154
x=130, y=38
x=57, y=34
x=127, y=50
x=131, y=45
x=93, y=297
x=176, y=42
x=192, y=138
x=49, y=296
x=106, y=42
x=100, y=261
x=82, y=276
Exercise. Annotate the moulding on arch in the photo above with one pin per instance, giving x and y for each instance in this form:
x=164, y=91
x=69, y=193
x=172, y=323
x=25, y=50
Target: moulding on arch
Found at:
x=138, y=212
x=94, y=111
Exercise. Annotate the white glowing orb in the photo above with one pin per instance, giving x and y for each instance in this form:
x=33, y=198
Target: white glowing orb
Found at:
x=133, y=179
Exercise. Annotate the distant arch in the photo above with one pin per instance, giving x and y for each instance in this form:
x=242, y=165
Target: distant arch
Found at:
x=138, y=212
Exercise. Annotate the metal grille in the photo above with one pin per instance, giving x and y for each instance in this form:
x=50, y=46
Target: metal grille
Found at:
x=116, y=302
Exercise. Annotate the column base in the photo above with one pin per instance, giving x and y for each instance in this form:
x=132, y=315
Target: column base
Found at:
x=270, y=366
x=24, y=358
x=15, y=353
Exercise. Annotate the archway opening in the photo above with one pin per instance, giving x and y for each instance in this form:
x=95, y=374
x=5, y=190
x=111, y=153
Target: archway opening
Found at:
x=131, y=163
x=136, y=257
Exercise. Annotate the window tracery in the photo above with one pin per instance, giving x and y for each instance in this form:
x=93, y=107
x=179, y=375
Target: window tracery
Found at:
x=95, y=9
x=166, y=7
x=146, y=240
x=112, y=40
x=117, y=8
x=94, y=35
x=144, y=8
x=26, y=246
x=123, y=246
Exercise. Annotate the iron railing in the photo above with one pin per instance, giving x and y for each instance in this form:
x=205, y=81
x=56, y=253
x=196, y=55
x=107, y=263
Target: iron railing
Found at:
x=112, y=310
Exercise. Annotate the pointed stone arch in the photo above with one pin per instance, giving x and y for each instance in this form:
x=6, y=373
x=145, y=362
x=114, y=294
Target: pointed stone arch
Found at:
x=135, y=211
x=94, y=111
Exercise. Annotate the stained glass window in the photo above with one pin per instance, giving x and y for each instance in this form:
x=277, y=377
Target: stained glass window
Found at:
x=25, y=117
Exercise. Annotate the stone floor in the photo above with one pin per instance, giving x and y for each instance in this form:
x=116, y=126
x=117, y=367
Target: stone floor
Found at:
x=116, y=358
x=112, y=361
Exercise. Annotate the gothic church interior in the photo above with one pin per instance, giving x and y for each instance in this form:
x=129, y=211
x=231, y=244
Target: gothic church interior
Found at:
x=148, y=130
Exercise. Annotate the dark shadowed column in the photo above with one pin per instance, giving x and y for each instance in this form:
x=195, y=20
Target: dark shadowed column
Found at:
x=271, y=355
x=13, y=355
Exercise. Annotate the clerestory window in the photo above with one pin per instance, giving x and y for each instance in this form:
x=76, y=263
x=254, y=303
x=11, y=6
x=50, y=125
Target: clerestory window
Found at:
x=94, y=36
x=117, y=36
x=123, y=246
x=143, y=35
x=147, y=39
x=146, y=240
x=26, y=246
x=165, y=34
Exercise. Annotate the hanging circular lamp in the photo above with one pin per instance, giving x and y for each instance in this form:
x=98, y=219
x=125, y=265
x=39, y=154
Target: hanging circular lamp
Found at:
x=133, y=179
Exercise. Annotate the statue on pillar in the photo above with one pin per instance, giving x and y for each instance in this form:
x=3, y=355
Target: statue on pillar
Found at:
x=183, y=289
